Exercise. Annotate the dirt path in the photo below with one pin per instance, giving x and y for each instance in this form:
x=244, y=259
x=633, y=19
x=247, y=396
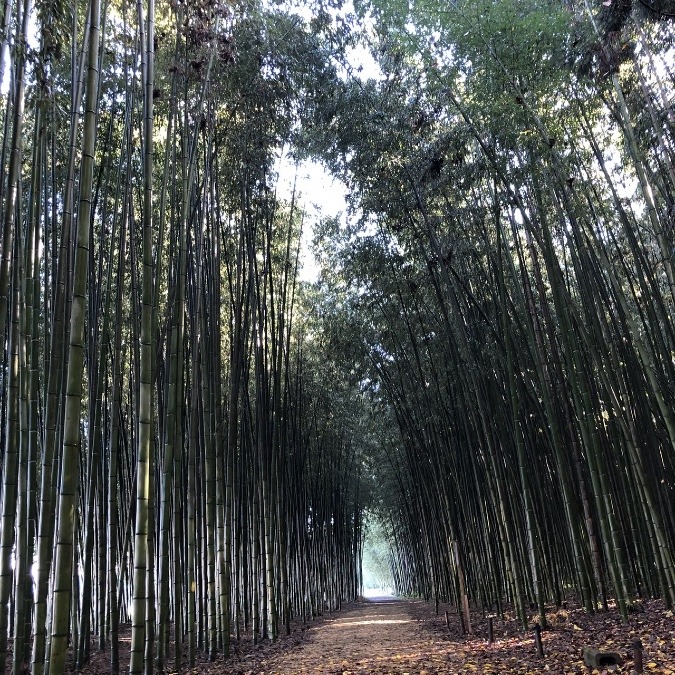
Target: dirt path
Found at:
x=401, y=637
x=368, y=637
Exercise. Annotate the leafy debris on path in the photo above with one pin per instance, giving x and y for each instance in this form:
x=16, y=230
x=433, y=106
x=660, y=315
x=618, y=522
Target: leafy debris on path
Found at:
x=408, y=637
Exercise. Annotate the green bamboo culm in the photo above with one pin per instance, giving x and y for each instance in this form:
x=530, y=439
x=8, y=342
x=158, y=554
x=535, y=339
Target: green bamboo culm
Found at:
x=69, y=484
x=145, y=416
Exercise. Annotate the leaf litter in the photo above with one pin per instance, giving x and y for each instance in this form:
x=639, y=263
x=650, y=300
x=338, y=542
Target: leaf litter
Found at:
x=407, y=636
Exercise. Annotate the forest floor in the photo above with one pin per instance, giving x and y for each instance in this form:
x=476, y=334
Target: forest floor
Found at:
x=406, y=636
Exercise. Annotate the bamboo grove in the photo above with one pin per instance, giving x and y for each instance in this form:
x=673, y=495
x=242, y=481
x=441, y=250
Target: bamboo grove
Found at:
x=192, y=435
x=508, y=280
x=172, y=472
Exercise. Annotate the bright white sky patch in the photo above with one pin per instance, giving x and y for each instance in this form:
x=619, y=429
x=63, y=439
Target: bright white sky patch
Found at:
x=320, y=196
x=316, y=191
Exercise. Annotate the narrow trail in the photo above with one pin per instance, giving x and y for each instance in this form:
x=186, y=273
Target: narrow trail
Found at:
x=368, y=637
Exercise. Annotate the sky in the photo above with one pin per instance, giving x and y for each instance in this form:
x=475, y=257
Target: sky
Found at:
x=320, y=196
x=319, y=193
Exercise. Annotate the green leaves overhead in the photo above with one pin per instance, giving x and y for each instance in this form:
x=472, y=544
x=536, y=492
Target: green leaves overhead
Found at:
x=508, y=270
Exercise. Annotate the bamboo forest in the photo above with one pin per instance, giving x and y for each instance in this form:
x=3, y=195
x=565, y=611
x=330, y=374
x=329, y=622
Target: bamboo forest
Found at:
x=226, y=408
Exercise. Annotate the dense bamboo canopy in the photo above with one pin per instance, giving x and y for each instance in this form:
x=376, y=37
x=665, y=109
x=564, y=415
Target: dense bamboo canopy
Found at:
x=195, y=435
